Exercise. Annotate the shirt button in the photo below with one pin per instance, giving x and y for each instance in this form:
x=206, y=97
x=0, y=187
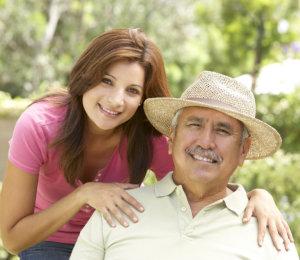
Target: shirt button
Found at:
x=97, y=179
x=178, y=192
x=99, y=174
x=183, y=209
x=87, y=206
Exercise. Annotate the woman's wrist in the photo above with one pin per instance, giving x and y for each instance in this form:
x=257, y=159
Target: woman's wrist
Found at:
x=261, y=193
x=81, y=194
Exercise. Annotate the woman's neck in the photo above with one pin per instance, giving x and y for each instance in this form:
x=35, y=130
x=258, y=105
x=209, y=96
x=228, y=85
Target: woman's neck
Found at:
x=94, y=132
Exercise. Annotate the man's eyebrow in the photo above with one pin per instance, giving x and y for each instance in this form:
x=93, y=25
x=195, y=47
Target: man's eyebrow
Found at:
x=225, y=125
x=196, y=119
x=133, y=84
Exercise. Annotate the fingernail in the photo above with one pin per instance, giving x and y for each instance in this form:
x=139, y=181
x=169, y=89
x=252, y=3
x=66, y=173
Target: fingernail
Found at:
x=260, y=242
x=245, y=219
x=125, y=224
x=142, y=209
x=113, y=225
x=135, y=219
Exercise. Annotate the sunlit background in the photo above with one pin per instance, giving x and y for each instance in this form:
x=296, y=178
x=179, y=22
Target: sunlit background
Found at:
x=256, y=41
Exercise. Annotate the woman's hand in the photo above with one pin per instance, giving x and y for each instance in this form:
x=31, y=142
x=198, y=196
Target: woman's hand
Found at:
x=262, y=205
x=110, y=199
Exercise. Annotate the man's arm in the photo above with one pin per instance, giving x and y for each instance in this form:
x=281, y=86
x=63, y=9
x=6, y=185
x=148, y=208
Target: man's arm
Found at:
x=288, y=255
x=90, y=243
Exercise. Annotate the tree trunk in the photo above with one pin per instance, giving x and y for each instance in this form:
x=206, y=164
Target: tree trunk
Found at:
x=57, y=7
x=258, y=50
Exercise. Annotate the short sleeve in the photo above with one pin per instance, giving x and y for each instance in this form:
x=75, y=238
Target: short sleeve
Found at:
x=28, y=147
x=162, y=162
x=290, y=255
x=90, y=243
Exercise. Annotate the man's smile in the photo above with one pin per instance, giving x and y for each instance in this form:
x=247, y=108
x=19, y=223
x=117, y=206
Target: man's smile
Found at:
x=200, y=154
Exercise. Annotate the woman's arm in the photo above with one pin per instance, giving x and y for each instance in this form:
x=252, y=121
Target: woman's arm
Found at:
x=21, y=228
x=262, y=205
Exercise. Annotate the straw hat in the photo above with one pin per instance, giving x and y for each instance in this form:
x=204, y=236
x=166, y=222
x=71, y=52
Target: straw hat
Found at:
x=224, y=94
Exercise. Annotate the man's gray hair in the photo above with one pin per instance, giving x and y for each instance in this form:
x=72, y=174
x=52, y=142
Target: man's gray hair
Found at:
x=175, y=118
x=245, y=132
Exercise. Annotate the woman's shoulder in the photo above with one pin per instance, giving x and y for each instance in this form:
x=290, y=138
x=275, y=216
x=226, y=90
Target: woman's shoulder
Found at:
x=44, y=113
x=159, y=141
x=162, y=162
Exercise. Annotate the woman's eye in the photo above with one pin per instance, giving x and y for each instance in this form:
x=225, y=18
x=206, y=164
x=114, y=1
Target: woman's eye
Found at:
x=106, y=81
x=133, y=91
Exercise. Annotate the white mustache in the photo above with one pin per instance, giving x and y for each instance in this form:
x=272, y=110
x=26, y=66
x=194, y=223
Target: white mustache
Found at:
x=205, y=152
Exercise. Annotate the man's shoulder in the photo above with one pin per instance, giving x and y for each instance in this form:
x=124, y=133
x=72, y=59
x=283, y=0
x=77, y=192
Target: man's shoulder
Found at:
x=162, y=188
x=144, y=192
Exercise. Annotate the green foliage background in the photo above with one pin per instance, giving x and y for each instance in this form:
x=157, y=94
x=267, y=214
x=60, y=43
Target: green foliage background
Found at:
x=41, y=40
x=277, y=174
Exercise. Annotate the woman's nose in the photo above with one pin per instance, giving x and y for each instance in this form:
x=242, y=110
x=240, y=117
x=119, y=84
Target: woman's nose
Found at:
x=116, y=98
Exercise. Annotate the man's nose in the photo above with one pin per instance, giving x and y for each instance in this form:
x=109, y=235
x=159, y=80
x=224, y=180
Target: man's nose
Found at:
x=206, y=138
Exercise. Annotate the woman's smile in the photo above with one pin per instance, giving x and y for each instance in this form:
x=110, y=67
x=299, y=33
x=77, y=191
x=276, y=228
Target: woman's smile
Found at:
x=108, y=112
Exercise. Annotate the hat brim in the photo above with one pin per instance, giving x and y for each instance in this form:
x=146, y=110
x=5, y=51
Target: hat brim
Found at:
x=265, y=139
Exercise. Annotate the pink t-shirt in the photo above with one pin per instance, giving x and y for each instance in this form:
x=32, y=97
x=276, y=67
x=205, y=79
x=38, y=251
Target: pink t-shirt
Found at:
x=35, y=130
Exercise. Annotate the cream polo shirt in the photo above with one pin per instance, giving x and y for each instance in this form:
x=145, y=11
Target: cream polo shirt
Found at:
x=167, y=230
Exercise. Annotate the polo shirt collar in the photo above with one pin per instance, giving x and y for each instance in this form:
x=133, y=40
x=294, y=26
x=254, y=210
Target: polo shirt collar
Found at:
x=165, y=186
x=236, y=201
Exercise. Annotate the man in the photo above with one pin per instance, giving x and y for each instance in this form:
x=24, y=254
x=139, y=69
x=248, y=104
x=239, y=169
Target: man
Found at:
x=193, y=213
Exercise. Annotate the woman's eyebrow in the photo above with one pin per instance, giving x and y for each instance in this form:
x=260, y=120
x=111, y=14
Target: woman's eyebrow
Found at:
x=133, y=84
x=107, y=74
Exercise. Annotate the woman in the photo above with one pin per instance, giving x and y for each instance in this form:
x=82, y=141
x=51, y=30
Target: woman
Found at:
x=80, y=149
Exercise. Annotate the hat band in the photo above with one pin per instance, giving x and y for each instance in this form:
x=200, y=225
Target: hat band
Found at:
x=216, y=103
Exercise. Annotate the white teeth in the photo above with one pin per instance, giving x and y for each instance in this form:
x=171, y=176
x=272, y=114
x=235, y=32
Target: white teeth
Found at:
x=109, y=111
x=200, y=158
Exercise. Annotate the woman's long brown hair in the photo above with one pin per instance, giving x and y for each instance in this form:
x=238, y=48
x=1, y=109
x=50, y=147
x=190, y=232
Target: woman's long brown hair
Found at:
x=106, y=49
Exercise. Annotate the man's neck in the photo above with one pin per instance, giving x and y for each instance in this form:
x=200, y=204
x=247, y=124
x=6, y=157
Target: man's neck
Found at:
x=200, y=198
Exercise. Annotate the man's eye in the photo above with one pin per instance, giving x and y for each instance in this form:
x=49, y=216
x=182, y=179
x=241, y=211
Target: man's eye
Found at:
x=106, y=81
x=194, y=125
x=223, y=131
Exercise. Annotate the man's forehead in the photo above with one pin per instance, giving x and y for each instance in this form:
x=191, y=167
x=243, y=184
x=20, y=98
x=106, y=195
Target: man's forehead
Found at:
x=205, y=113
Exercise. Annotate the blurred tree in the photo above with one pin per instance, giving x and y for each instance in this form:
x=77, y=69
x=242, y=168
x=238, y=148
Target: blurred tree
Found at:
x=20, y=27
x=283, y=113
x=241, y=36
x=41, y=40
x=45, y=38
x=277, y=174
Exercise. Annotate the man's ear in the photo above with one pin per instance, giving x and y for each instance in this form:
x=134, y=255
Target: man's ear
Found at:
x=244, y=150
x=171, y=139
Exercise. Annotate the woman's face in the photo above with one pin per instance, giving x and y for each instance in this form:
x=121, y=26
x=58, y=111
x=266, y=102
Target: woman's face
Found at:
x=116, y=98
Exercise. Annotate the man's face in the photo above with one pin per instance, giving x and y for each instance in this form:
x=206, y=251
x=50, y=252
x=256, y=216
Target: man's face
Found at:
x=206, y=147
